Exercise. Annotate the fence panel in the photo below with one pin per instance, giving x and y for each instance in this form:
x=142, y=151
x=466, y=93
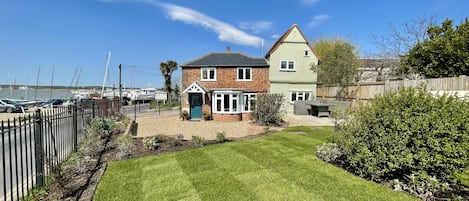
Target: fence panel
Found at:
x=363, y=92
x=33, y=145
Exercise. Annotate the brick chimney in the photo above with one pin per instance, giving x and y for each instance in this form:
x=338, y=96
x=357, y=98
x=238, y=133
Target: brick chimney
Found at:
x=228, y=50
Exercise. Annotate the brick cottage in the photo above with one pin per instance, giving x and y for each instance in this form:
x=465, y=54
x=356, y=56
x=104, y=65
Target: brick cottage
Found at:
x=224, y=85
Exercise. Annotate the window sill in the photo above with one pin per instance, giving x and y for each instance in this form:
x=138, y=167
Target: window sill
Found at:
x=208, y=80
x=227, y=112
x=244, y=80
x=285, y=70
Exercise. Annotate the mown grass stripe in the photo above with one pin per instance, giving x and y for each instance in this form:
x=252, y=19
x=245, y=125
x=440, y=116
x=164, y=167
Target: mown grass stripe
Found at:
x=210, y=181
x=267, y=185
x=168, y=181
x=129, y=190
x=305, y=172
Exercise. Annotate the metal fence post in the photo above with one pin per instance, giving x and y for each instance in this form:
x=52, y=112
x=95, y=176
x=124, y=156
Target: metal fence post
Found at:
x=39, y=149
x=93, y=110
x=75, y=128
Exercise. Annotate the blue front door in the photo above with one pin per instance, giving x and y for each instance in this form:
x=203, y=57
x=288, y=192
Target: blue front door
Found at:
x=195, y=100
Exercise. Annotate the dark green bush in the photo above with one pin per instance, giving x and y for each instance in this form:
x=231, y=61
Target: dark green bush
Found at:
x=407, y=131
x=267, y=110
x=221, y=136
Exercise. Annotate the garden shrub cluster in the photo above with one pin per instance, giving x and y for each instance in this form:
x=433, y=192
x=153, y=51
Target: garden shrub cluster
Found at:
x=267, y=109
x=407, y=133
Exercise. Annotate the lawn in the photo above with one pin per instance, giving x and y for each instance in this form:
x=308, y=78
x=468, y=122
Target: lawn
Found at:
x=282, y=166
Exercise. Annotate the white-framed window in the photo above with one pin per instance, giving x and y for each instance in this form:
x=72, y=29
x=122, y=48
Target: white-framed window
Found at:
x=249, y=101
x=226, y=103
x=299, y=95
x=307, y=54
x=244, y=74
x=208, y=74
x=287, y=65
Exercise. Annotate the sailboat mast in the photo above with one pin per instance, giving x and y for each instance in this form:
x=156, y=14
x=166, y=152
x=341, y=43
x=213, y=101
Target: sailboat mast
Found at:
x=37, y=82
x=106, y=72
x=51, y=82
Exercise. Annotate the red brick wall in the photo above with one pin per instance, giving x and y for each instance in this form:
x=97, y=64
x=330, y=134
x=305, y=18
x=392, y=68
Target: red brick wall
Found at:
x=226, y=117
x=226, y=78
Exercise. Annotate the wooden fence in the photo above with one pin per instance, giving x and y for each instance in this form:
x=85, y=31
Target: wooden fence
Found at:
x=366, y=91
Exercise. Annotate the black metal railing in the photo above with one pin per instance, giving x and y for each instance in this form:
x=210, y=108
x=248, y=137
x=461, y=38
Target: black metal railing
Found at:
x=32, y=146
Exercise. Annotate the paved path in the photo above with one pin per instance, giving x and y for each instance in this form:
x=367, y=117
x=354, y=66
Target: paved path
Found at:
x=170, y=124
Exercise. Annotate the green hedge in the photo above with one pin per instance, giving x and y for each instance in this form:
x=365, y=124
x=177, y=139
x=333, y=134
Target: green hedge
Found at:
x=404, y=132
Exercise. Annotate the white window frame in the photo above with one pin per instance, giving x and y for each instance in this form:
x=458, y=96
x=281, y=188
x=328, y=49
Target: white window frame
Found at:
x=250, y=96
x=244, y=69
x=233, y=100
x=307, y=53
x=207, y=70
x=287, y=65
x=300, y=94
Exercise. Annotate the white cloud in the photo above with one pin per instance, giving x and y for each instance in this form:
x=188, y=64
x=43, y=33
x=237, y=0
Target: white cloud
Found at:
x=275, y=36
x=225, y=31
x=256, y=27
x=310, y=2
x=318, y=19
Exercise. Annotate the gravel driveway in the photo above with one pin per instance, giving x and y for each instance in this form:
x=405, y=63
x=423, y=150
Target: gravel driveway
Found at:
x=172, y=125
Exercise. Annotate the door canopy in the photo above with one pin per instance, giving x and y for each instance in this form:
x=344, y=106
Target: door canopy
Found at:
x=195, y=87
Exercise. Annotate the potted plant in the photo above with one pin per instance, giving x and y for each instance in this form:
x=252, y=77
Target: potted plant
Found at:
x=184, y=115
x=206, y=115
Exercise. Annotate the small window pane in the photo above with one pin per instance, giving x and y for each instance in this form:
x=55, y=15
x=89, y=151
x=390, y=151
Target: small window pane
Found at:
x=240, y=74
x=218, y=105
x=204, y=74
x=306, y=96
x=212, y=74
x=235, y=104
x=293, y=96
x=291, y=65
x=226, y=102
x=283, y=65
x=248, y=73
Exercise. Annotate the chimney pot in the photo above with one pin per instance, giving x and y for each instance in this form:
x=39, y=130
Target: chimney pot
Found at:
x=228, y=50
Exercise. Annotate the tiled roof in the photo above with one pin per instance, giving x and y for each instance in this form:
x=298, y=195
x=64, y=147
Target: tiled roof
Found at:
x=231, y=59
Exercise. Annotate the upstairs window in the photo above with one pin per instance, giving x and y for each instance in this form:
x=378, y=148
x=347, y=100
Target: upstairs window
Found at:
x=287, y=65
x=306, y=53
x=208, y=74
x=244, y=74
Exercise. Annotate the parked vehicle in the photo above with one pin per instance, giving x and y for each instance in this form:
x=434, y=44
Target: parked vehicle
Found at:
x=52, y=103
x=12, y=106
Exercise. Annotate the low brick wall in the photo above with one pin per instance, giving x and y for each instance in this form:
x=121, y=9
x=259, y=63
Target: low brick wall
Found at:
x=227, y=117
x=246, y=117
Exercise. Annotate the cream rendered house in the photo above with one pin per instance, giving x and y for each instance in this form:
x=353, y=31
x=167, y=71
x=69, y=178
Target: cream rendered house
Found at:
x=290, y=74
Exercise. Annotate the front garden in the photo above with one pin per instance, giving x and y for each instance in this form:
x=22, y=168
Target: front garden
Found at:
x=282, y=166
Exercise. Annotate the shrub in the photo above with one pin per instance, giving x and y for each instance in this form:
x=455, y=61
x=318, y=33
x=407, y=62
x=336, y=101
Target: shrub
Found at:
x=206, y=115
x=267, y=109
x=329, y=152
x=184, y=114
x=407, y=131
x=150, y=143
x=124, y=146
x=221, y=136
x=198, y=141
x=178, y=141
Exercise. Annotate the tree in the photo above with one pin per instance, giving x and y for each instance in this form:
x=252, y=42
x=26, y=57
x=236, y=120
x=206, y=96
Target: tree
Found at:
x=397, y=41
x=444, y=54
x=167, y=69
x=339, y=62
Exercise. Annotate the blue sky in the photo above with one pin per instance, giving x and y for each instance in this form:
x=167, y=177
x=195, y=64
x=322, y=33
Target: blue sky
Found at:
x=77, y=34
